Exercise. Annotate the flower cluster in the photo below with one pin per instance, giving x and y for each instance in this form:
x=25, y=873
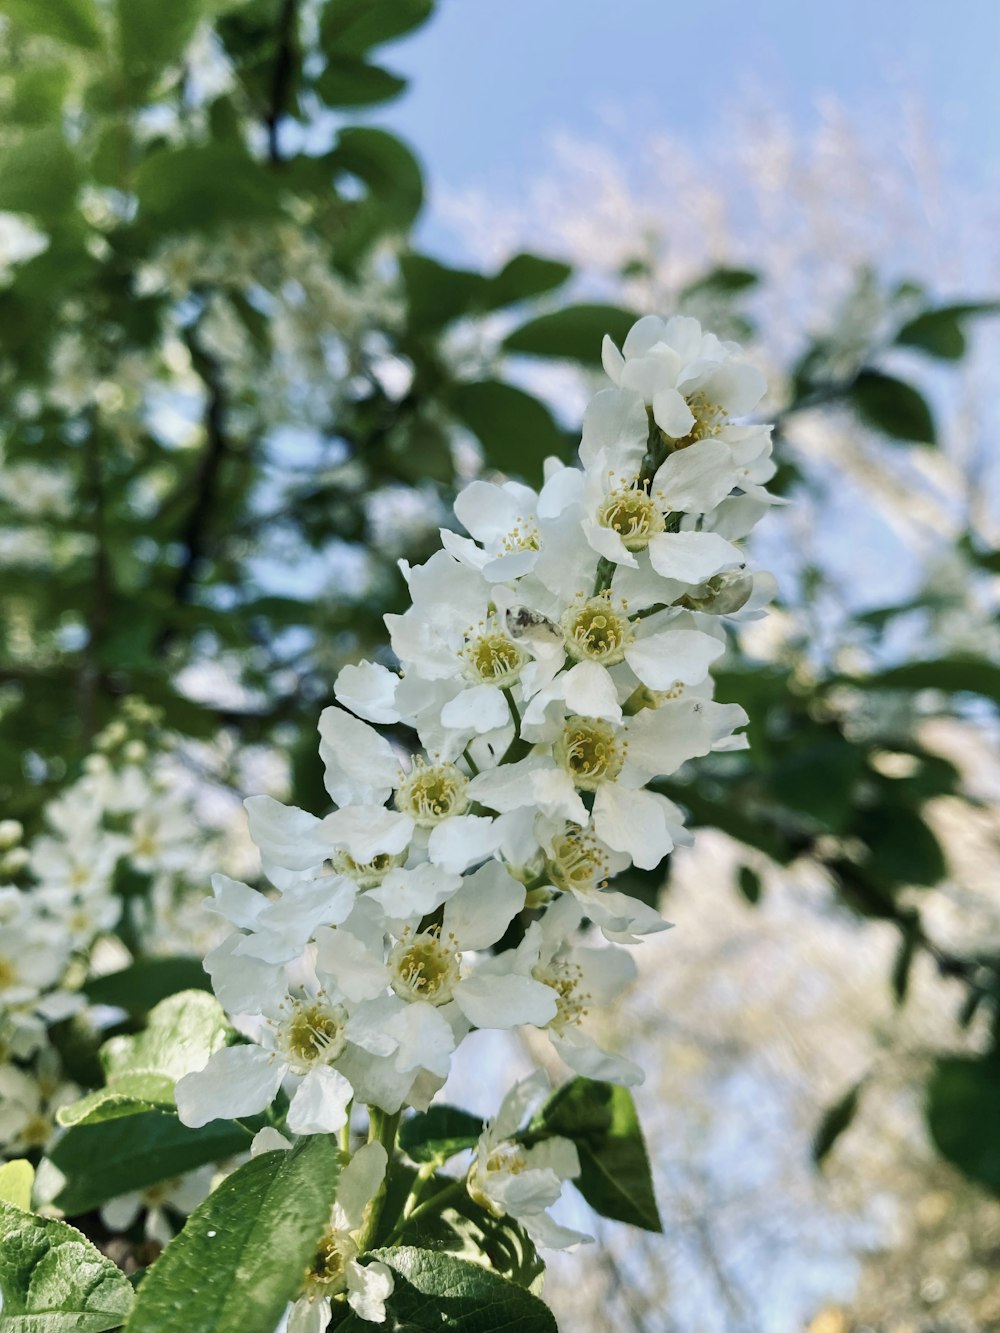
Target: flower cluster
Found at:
x=553, y=664
x=117, y=863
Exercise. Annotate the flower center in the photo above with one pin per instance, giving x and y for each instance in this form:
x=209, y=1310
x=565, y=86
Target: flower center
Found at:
x=425, y=967
x=431, y=793
x=596, y=631
x=590, y=752
x=709, y=418
x=326, y=1276
x=8, y=973
x=493, y=658
x=523, y=536
x=633, y=513
x=577, y=861
x=313, y=1035
x=564, y=977
x=367, y=874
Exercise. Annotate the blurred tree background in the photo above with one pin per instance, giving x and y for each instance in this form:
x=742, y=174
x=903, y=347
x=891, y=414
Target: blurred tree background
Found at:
x=236, y=392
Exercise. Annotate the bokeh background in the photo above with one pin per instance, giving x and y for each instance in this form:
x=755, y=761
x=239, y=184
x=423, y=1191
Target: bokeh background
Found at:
x=277, y=277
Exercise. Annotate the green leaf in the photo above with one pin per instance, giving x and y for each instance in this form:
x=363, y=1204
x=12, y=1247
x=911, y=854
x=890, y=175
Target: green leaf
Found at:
x=721, y=281
x=198, y=188
x=819, y=780
x=152, y=35
x=144, y=983
x=601, y=1120
x=72, y=21
x=939, y=332
x=392, y=176
x=351, y=27
x=834, y=1122
x=38, y=175
x=749, y=884
x=523, y=277
x=437, y=294
x=349, y=82
x=39, y=92
x=436, y=1291
x=16, y=1180
x=575, y=333
x=439, y=1133
x=963, y=1114
x=54, y=1281
x=951, y=675
x=115, y=1156
x=893, y=407
x=903, y=849
x=182, y=1032
x=515, y=429
x=242, y=1254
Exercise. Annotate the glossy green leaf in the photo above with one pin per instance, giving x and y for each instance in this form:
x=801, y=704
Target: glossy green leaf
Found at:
x=834, y=1122
x=893, y=407
x=181, y=1033
x=130, y=1152
x=439, y=1133
x=392, y=178
x=437, y=1291
x=819, y=780
x=152, y=35
x=437, y=293
x=54, y=1281
x=601, y=1119
x=243, y=1252
x=963, y=1114
x=516, y=430
x=575, y=333
x=74, y=22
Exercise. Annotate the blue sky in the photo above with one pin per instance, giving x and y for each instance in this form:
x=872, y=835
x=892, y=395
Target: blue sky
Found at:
x=492, y=82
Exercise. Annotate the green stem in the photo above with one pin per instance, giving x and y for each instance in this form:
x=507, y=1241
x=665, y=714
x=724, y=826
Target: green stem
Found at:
x=382, y=1128
x=436, y=1204
x=519, y=748
x=470, y=761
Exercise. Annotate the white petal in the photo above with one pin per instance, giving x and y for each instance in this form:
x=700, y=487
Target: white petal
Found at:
x=497, y=1001
x=425, y=1039
x=359, y=1181
x=611, y=359
x=482, y=909
x=692, y=557
x=369, y=690
x=462, y=841
x=590, y=692
x=244, y=985
x=676, y=655
x=632, y=822
x=268, y=1140
x=237, y=902
x=671, y=413
x=369, y=1286
x=309, y=1315
x=615, y=422
x=320, y=1103
x=586, y=1057
x=238, y=1080
x=355, y=971
x=404, y=894
x=554, y=793
x=365, y=831
x=361, y=766
x=487, y=511
x=643, y=336
x=696, y=479
x=478, y=709
x=286, y=835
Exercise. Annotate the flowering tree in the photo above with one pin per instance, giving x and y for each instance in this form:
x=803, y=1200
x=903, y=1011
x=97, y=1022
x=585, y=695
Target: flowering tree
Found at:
x=236, y=397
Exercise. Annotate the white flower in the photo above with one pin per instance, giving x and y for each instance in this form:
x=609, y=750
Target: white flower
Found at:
x=509, y=1179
